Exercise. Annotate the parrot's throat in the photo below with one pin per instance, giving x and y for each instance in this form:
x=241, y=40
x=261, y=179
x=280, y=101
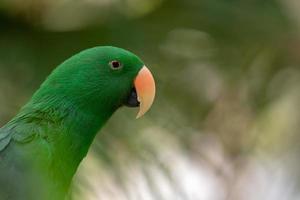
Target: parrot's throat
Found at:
x=68, y=129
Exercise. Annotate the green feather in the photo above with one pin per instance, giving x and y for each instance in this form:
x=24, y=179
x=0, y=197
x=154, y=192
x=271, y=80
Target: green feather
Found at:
x=44, y=144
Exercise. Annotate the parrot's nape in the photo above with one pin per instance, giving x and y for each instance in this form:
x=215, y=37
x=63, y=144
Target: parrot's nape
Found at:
x=42, y=146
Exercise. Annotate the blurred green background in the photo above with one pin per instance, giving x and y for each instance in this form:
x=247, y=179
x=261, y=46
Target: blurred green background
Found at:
x=226, y=120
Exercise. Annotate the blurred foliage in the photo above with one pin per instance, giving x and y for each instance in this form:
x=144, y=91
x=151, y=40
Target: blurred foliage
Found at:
x=226, y=117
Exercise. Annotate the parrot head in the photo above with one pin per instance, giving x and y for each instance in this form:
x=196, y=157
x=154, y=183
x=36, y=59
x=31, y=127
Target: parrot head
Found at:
x=101, y=78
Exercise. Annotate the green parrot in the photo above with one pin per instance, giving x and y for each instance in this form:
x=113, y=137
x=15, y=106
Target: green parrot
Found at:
x=42, y=146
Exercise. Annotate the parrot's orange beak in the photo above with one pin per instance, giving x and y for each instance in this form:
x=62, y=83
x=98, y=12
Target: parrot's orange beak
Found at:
x=145, y=87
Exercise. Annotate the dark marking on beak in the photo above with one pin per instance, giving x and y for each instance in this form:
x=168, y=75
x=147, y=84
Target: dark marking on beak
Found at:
x=132, y=99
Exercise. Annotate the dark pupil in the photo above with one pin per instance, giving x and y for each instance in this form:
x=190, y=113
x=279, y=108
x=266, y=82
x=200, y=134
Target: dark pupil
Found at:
x=115, y=64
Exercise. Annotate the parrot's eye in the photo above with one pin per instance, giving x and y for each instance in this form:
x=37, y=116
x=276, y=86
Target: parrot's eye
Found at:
x=115, y=65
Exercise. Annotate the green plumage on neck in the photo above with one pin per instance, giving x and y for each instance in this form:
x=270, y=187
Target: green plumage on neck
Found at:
x=43, y=145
